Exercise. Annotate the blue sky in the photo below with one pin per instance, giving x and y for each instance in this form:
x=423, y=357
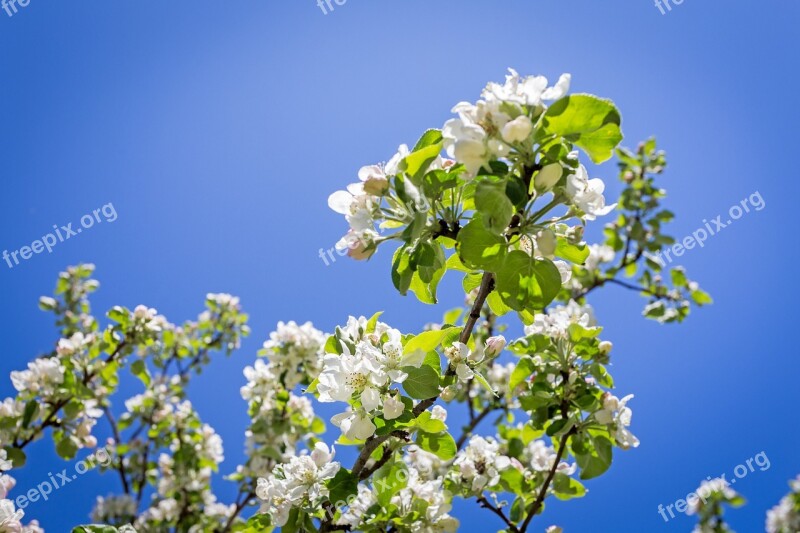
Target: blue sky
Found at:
x=218, y=130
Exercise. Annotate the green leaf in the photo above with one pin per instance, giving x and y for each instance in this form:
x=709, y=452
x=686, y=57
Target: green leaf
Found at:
x=567, y=488
x=258, y=523
x=66, y=448
x=139, y=369
x=422, y=383
x=588, y=121
x=343, y=485
x=402, y=269
x=575, y=253
x=95, y=528
x=428, y=148
x=496, y=304
x=430, y=137
x=593, y=455
x=701, y=297
x=526, y=283
x=442, y=445
x=425, y=423
x=373, y=322
x=578, y=333
x=493, y=204
x=522, y=372
x=31, y=412
x=418, y=347
x=479, y=248
x=16, y=456
x=430, y=267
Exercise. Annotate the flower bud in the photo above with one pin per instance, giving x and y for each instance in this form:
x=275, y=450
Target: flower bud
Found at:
x=47, y=304
x=448, y=393
x=546, y=242
x=517, y=130
x=374, y=180
x=605, y=347
x=392, y=408
x=494, y=346
x=546, y=179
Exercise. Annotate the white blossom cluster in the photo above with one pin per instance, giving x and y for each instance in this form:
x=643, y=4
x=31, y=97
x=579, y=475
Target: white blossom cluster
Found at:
x=298, y=483
x=500, y=122
x=279, y=422
x=295, y=352
x=10, y=517
x=501, y=125
x=555, y=323
x=785, y=517
x=478, y=466
x=422, y=498
x=540, y=457
x=362, y=375
x=114, y=509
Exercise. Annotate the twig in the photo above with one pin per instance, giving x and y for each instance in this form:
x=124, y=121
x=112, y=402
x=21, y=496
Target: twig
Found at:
x=483, y=502
x=123, y=476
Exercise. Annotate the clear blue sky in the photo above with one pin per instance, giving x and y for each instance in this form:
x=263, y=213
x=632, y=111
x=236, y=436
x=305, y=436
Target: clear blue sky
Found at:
x=218, y=129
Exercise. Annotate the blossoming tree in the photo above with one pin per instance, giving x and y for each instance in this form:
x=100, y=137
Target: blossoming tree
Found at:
x=498, y=196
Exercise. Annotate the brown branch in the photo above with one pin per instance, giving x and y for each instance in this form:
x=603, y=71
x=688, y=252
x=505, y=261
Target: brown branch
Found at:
x=248, y=497
x=123, y=475
x=487, y=286
x=50, y=419
x=537, y=504
x=387, y=454
x=483, y=502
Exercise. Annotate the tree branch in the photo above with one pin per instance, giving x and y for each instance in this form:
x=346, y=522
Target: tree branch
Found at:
x=123, y=476
x=486, y=504
x=486, y=287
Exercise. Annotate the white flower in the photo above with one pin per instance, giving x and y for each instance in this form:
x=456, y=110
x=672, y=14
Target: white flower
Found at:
x=587, y=195
x=599, y=254
x=392, y=407
x=463, y=360
x=616, y=412
x=466, y=143
x=783, y=518
x=9, y=518
x=558, y=319
x=295, y=351
x=517, y=130
x=706, y=490
x=355, y=425
x=301, y=480
x=529, y=91
x=348, y=374
x=542, y=458
x=41, y=377
x=480, y=463
x=392, y=168
x=439, y=413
